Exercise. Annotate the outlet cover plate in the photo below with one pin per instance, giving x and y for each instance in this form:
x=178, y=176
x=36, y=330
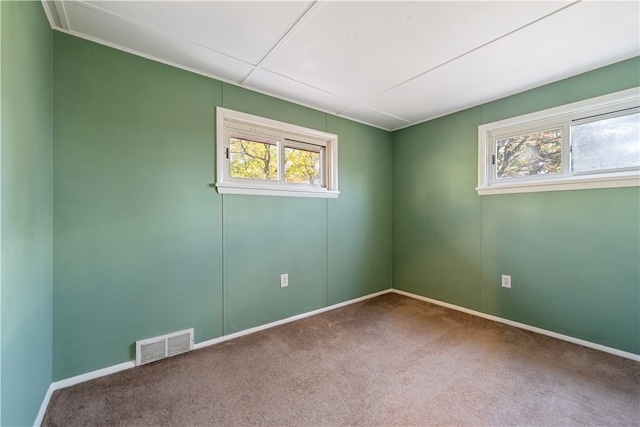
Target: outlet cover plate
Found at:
x=284, y=280
x=506, y=281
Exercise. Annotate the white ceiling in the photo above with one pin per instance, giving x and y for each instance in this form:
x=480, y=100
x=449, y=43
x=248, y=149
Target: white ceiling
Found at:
x=390, y=64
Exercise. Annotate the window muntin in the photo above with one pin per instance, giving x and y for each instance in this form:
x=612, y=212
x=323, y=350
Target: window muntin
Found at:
x=588, y=144
x=262, y=156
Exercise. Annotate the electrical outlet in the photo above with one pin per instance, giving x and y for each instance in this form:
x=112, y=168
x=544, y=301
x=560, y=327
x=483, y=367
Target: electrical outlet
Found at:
x=284, y=280
x=506, y=281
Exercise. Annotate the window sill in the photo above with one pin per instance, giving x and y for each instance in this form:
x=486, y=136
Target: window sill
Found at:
x=575, y=183
x=271, y=191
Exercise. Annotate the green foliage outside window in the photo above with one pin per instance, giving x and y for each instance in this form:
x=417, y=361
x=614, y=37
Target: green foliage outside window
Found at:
x=251, y=159
x=259, y=160
x=301, y=166
x=537, y=153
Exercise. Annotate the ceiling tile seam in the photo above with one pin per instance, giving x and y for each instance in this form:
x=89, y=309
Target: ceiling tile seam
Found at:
x=489, y=100
x=159, y=32
x=313, y=107
x=285, y=37
x=493, y=98
x=358, y=104
x=352, y=103
x=305, y=84
x=474, y=49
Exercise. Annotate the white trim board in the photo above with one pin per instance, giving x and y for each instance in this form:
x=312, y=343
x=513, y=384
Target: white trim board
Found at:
x=68, y=382
x=541, y=331
x=43, y=406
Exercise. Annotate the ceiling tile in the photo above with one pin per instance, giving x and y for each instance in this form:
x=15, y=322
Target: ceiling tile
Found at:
x=585, y=36
x=356, y=48
x=372, y=117
x=246, y=30
x=90, y=21
x=266, y=81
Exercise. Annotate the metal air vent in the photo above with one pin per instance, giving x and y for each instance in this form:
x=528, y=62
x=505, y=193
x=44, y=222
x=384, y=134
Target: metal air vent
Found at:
x=156, y=348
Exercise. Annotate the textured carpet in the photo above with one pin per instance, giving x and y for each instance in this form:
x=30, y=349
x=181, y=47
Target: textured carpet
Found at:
x=391, y=360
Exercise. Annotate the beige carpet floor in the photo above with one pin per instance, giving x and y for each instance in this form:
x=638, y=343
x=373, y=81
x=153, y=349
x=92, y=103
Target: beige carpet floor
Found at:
x=390, y=360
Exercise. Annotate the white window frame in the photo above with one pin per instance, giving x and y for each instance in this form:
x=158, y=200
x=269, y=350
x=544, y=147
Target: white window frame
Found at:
x=288, y=135
x=562, y=116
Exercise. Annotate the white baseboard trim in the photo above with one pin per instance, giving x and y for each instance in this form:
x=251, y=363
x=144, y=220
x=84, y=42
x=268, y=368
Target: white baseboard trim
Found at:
x=131, y=364
x=43, y=406
x=287, y=320
x=541, y=331
x=67, y=382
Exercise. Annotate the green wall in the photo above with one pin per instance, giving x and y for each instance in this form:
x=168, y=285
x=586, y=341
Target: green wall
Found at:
x=26, y=211
x=137, y=230
x=359, y=232
x=144, y=246
x=573, y=255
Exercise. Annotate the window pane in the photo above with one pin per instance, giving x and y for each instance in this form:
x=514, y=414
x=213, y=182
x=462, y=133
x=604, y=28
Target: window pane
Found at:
x=607, y=144
x=302, y=166
x=253, y=157
x=538, y=153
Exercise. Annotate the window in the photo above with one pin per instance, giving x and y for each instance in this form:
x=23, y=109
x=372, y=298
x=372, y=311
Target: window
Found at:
x=588, y=144
x=262, y=156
